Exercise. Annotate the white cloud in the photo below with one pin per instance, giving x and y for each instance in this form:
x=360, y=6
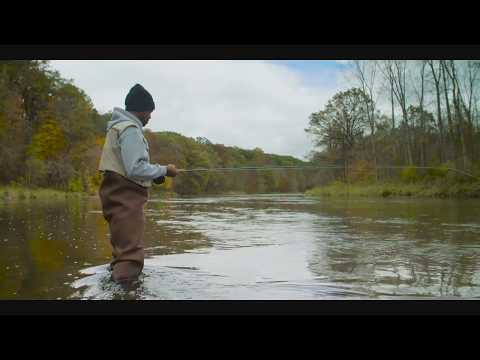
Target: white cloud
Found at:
x=237, y=103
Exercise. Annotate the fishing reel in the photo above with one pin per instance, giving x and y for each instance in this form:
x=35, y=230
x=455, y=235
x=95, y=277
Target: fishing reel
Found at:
x=160, y=180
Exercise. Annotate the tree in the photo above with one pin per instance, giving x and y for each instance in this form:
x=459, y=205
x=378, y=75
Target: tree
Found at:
x=48, y=142
x=421, y=123
x=341, y=123
x=439, y=104
x=366, y=73
x=13, y=137
x=269, y=181
x=436, y=78
x=398, y=76
x=450, y=69
x=195, y=182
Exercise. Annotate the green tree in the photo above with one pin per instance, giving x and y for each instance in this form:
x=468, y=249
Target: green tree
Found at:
x=341, y=124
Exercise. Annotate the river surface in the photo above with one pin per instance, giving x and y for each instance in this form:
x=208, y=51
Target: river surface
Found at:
x=248, y=247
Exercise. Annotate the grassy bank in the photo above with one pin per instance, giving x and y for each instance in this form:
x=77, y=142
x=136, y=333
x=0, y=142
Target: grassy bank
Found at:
x=17, y=193
x=436, y=190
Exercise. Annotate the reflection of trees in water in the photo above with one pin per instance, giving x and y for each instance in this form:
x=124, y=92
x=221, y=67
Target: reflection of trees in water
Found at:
x=11, y=254
x=32, y=252
x=373, y=246
x=51, y=240
x=383, y=247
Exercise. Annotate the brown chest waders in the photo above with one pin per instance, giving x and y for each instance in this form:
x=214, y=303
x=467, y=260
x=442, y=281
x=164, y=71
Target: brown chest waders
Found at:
x=123, y=204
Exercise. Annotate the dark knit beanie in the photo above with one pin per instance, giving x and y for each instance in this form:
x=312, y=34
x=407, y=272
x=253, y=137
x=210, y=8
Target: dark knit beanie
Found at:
x=139, y=100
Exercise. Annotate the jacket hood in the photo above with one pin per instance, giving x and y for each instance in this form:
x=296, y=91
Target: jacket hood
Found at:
x=120, y=115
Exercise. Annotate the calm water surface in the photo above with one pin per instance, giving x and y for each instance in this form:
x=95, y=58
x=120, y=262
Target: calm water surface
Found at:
x=248, y=247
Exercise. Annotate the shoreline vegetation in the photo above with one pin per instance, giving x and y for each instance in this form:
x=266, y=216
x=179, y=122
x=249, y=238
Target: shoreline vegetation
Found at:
x=442, y=190
x=52, y=136
x=20, y=193
x=16, y=193
x=403, y=128
x=9, y=193
x=378, y=140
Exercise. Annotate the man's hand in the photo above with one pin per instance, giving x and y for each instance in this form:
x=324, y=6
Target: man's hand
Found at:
x=160, y=180
x=171, y=170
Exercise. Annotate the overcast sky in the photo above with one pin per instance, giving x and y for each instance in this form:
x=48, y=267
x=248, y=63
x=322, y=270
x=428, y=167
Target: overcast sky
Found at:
x=248, y=104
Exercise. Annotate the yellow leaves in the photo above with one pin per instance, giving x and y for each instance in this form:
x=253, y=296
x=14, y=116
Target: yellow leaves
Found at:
x=48, y=142
x=409, y=174
x=75, y=184
x=168, y=184
x=100, y=141
x=94, y=182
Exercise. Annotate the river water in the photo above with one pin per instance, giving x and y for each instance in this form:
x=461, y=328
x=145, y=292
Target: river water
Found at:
x=248, y=247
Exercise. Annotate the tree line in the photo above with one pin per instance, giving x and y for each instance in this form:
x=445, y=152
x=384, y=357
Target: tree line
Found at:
x=52, y=136
x=408, y=113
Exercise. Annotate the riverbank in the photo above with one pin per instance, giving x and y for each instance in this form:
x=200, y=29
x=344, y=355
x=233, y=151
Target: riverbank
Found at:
x=432, y=190
x=16, y=193
x=22, y=193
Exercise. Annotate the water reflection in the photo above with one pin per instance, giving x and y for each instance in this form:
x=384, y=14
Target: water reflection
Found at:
x=400, y=247
x=248, y=247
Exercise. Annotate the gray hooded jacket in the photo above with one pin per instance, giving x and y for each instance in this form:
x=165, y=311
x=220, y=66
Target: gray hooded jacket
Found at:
x=134, y=149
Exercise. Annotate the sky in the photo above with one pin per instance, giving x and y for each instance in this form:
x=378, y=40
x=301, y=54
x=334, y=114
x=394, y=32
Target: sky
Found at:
x=249, y=104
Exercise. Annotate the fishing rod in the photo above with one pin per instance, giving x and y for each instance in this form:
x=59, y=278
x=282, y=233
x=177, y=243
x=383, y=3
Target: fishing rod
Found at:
x=258, y=168
x=267, y=168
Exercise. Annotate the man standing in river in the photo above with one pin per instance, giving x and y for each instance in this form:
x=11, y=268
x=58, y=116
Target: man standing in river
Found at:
x=128, y=174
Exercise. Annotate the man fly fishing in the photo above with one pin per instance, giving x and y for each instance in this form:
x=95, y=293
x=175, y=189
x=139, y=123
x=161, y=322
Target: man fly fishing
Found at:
x=127, y=176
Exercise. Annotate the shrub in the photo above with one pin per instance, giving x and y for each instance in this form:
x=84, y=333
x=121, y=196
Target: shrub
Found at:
x=409, y=174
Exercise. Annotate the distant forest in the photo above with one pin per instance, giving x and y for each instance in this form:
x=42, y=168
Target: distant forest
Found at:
x=52, y=136
x=408, y=114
